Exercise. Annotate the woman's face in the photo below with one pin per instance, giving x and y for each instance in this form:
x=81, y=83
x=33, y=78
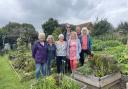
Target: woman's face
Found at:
x=85, y=32
x=73, y=36
x=78, y=30
x=61, y=38
x=41, y=39
x=50, y=40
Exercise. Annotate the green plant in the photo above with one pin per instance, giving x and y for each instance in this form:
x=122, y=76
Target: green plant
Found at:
x=68, y=83
x=100, y=45
x=51, y=82
x=86, y=69
x=100, y=66
x=105, y=64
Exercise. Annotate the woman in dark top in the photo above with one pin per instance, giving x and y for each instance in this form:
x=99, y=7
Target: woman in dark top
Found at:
x=39, y=53
x=51, y=53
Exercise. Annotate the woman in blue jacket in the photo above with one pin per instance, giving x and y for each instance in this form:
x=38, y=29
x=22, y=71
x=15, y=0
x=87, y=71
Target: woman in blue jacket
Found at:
x=51, y=52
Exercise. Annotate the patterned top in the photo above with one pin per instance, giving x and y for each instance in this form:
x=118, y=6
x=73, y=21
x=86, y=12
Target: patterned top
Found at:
x=73, y=50
x=84, y=42
x=61, y=49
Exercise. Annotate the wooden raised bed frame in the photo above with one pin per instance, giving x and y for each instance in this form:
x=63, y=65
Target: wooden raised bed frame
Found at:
x=108, y=80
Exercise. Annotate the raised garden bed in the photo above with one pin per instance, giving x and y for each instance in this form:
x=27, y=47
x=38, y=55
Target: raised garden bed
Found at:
x=101, y=72
x=99, y=82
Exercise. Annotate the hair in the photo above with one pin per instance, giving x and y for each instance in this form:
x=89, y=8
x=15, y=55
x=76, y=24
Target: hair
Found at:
x=41, y=35
x=50, y=36
x=73, y=32
x=84, y=29
x=78, y=27
x=61, y=35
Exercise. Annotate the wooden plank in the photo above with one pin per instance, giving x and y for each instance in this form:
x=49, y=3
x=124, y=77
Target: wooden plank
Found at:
x=109, y=79
x=96, y=81
x=14, y=70
x=90, y=80
x=127, y=85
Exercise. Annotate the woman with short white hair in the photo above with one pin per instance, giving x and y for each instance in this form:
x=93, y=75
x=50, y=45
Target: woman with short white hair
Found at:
x=51, y=52
x=39, y=53
x=61, y=47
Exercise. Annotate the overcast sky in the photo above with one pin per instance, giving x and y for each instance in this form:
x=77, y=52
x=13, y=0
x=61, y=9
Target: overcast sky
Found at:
x=72, y=11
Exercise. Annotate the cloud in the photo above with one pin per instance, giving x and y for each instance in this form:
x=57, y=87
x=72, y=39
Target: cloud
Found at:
x=73, y=11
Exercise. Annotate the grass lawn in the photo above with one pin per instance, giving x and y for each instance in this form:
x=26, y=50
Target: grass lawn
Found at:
x=8, y=78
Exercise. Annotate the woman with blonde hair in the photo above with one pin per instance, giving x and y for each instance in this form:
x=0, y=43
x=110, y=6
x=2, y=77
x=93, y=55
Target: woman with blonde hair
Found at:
x=51, y=52
x=39, y=53
x=85, y=43
x=73, y=50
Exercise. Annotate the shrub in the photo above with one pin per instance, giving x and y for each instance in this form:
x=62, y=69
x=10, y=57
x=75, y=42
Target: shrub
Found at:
x=51, y=82
x=100, y=66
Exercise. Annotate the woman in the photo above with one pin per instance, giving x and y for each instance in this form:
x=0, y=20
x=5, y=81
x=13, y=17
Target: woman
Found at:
x=86, y=44
x=61, y=46
x=39, y=53
x=74, y=49
x=51, y=52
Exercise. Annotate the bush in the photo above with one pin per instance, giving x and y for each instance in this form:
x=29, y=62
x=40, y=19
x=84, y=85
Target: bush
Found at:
x=52, y=82
x=102, y=45
x=102, y=27
x=100, y=66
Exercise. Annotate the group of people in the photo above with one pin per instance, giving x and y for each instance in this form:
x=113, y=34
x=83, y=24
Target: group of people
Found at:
x=68, y=51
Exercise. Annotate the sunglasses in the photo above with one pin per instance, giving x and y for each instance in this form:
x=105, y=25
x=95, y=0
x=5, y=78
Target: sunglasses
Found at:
x=68, y=27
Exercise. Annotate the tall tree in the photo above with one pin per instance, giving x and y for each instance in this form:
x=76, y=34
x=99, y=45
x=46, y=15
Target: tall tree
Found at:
x=123, y=26
x=49, y=26
x=102, y=27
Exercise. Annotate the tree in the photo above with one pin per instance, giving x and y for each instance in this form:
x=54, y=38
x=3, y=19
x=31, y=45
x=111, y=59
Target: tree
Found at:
x=123, y=26
x=49, y=26
x=56, y=33
x=102, y=27
x=29, y=32
x=13, y=30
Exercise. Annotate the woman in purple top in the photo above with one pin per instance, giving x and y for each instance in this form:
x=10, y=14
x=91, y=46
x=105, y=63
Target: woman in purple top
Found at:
x=39, y=53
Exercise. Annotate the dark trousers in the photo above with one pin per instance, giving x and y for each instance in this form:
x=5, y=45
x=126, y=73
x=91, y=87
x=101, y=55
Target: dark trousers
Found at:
x=61, y=63
x=87, y=52
x=68, y=67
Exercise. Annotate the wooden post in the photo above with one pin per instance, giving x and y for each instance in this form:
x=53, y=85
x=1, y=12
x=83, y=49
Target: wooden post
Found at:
x=127, y=85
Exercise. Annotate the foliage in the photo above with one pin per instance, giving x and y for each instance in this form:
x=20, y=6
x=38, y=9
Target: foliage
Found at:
x=100, y=45
x=121, y=55
x=49, y=26
x=56, y=33
x=12, y=31
x=100, y=66
x=124, y=68
x=101, y=27
x=123, y=26
x=23, y=62
x=112, y=36
x=51, y=82
x=86, y=69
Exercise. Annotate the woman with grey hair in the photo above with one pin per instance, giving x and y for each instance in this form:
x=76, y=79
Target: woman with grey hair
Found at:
x=61, y=48
x=51, y=52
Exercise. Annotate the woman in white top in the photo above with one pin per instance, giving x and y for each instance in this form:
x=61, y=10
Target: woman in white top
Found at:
x=61, y=49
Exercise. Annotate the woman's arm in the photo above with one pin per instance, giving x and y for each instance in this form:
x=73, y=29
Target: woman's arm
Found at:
x=34, y=49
